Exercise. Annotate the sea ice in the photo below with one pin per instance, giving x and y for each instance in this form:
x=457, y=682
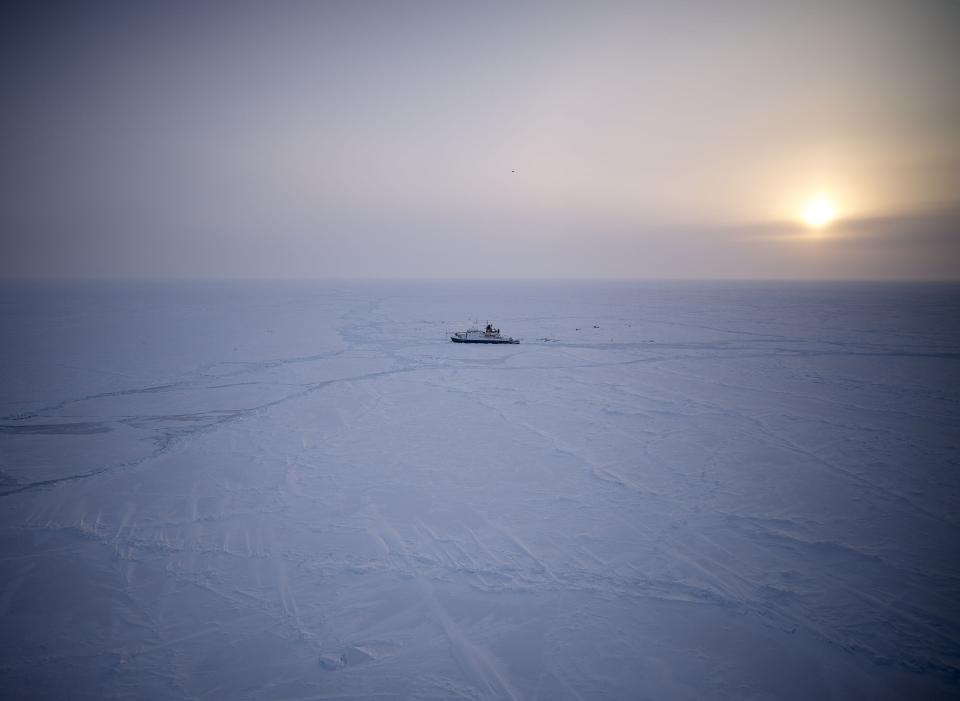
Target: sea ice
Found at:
x=297, y=490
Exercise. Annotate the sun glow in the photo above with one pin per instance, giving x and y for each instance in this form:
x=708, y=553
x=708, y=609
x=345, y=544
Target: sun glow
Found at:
x=819, y=212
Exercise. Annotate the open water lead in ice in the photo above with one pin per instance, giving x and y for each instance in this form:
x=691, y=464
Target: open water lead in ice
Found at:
x=488, y=335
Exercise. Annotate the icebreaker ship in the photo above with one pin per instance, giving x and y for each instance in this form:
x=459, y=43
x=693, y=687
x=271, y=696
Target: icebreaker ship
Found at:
x=488, y=335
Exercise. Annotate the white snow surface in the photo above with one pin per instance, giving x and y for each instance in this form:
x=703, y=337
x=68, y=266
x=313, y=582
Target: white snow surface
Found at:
x=305, y=490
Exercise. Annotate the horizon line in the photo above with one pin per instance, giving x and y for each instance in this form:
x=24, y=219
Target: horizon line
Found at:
x=408, y=279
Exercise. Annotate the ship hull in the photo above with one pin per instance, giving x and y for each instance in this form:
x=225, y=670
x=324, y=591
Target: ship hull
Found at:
x=483, y=340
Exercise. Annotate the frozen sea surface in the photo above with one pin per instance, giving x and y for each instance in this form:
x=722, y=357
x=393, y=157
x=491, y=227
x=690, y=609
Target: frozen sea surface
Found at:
x=294, y=491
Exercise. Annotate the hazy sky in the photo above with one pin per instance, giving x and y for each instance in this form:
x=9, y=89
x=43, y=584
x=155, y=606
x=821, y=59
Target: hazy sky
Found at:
x=445, y=139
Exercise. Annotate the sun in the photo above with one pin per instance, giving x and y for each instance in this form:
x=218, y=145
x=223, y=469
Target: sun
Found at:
x=819, y=212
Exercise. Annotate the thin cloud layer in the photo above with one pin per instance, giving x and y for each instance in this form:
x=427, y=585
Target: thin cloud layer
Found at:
x=437, y=140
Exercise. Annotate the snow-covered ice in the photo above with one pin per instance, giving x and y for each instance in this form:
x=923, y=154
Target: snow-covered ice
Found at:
x=293, y=491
